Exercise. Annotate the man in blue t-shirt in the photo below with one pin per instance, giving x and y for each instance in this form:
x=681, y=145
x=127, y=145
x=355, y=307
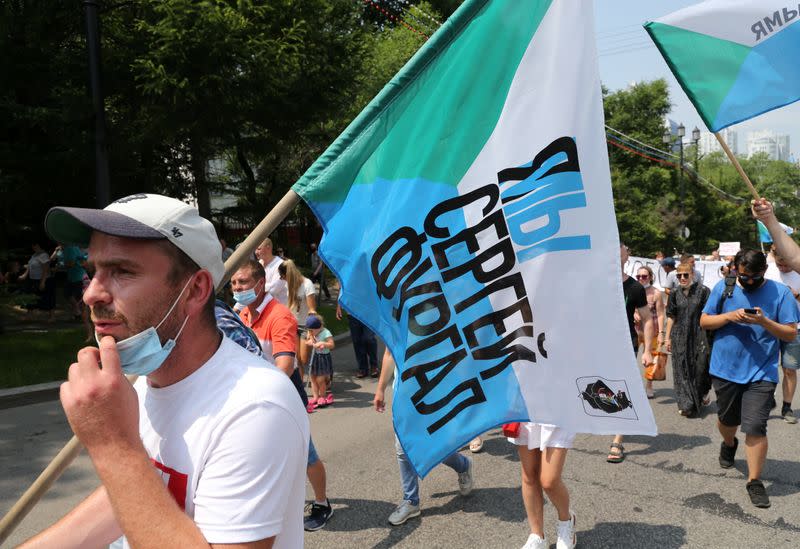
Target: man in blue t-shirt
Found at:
x=750, y=322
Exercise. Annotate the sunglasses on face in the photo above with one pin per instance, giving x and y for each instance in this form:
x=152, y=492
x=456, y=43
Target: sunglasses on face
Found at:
x=682, y=275
x=749, y=278
x=642, y=277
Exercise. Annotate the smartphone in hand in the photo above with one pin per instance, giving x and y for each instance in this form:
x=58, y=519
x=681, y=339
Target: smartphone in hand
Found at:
x=751, y=311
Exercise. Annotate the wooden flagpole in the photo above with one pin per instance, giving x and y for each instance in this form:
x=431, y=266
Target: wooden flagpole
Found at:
x=736, y=164
x=71, y=450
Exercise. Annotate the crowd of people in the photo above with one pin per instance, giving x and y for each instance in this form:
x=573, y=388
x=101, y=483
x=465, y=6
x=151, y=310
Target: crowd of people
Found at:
x=208, y=426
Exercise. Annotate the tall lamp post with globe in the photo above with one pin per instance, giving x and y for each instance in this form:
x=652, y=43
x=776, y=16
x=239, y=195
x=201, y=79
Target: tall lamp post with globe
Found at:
x=668, y=139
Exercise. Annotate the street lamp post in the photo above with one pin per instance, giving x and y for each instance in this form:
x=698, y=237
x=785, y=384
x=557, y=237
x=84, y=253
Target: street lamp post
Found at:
x=696, y=140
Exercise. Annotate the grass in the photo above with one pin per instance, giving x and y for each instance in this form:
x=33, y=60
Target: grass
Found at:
x=328, y=312
x=33, y=357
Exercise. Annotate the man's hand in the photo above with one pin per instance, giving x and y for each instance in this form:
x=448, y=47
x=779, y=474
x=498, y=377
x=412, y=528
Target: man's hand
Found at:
x=740, y=316
x=378, y=402
x=100, y=403
x=761, y=209
x=338, y=312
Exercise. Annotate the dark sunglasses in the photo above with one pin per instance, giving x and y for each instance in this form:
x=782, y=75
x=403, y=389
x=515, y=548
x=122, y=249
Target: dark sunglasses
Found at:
x=747, y=278
x=682, y=275
x=642, y=277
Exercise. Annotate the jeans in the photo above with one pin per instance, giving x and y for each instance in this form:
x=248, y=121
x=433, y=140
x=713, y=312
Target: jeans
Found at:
x=364, y=344
x=408, y=476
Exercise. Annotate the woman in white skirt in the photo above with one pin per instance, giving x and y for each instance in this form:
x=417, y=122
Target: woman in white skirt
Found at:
x=542, y=452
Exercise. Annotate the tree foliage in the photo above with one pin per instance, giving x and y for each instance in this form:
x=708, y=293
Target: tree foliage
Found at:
x=241, y=96
x=647, y=194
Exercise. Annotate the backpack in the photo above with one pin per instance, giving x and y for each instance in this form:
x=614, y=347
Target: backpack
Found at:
x=727, y=293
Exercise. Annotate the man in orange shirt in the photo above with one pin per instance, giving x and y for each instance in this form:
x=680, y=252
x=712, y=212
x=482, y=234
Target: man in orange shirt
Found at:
x=276, y=329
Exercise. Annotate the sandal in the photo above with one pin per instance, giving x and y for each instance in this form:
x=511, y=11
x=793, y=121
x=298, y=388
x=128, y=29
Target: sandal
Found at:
x=616, y=454
x=649, y=392
x=476, y=445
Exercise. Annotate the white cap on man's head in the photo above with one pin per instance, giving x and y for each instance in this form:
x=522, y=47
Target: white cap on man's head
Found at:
x=143, y=216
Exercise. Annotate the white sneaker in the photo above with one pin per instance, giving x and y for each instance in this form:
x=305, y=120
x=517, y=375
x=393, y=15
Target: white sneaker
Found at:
x=465, y=481
x=566, y=532
x=535, y=542
x=404, y=511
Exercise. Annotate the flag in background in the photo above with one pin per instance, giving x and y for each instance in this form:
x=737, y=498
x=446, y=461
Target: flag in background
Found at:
x=763, y=233
x=468, y=214
x=735, y=59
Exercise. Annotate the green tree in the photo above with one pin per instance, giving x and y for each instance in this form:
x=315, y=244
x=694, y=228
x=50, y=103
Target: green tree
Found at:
x=647, y=197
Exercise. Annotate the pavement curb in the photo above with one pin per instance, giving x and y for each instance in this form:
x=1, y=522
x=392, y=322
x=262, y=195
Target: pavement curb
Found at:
x=42, y=392
x=29, y=394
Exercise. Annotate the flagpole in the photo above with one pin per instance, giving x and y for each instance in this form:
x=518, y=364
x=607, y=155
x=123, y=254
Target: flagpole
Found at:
x=736, y=164
x=71, y=450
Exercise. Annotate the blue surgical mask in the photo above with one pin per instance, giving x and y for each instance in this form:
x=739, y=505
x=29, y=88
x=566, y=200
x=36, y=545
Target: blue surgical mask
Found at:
x=245, y=297
x=142, y=354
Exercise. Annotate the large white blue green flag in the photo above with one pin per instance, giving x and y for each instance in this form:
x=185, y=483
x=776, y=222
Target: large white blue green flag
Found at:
x=735, y=59
x=468, y=213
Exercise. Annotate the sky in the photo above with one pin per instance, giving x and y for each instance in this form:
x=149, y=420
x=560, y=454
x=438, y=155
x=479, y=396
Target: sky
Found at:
x=627, y=55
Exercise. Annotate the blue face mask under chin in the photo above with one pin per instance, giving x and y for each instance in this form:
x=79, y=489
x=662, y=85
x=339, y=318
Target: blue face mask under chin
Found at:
x=246, y=297
x=142, y=354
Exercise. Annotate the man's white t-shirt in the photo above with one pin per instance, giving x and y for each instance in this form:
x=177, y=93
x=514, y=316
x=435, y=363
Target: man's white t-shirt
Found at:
x=305, y=289
x=275, y=285
x=36, y=265
x=791, y=279
x=231, y=443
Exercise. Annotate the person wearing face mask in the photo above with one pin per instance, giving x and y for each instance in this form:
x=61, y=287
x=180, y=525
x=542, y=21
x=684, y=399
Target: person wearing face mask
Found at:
x=276, y=328
x=750, y=322
x=688, y=342
x=204, y=448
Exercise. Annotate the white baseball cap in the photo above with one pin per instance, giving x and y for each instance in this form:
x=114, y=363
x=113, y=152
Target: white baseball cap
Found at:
x=143, y=216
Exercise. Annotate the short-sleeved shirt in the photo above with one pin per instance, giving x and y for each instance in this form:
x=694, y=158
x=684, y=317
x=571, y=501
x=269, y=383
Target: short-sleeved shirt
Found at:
x=275, y=284
x=306, y=289
x=275, y=327
x=791, y=278
x=36, y=265
x=230, y=442
x=323, y=334
x=745, y=353
x=635, y=297
x=73, y=255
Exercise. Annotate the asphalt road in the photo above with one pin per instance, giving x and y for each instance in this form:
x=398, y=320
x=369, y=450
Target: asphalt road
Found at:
x=669, y=492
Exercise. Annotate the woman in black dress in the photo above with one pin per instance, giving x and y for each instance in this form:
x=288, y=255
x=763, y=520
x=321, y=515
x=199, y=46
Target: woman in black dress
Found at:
x=688, y=342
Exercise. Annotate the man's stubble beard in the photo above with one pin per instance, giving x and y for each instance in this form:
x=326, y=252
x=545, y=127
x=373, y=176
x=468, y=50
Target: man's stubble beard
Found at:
x=154, y=310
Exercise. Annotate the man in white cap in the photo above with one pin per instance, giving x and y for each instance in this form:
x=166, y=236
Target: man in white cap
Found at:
x=207, y=425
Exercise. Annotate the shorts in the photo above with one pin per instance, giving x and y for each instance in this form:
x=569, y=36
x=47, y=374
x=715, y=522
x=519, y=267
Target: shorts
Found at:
x=312, y=453
x=745, y=404
x=540, y=436
x=790, y=354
